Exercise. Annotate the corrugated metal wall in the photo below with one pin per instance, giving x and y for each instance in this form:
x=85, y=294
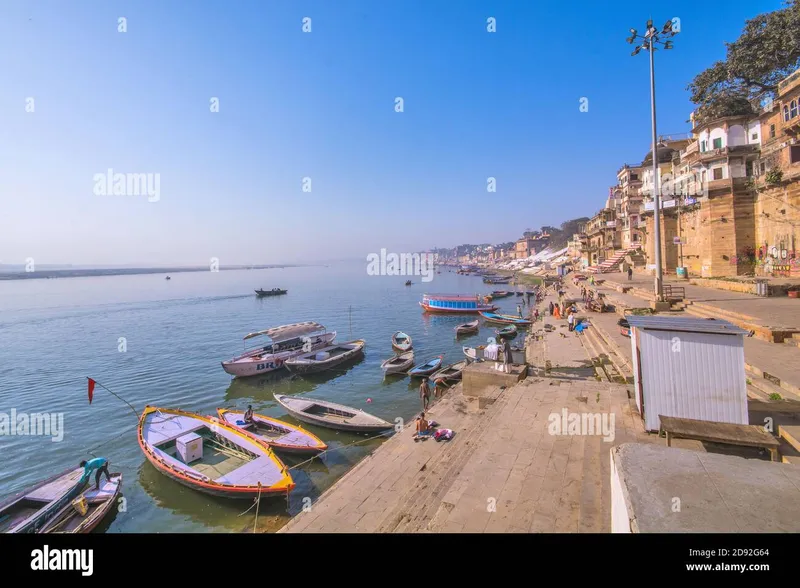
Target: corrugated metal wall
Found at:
x=694, y=376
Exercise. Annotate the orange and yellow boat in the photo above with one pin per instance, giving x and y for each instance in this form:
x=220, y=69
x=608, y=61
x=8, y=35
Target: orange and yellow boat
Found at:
x=211, y=456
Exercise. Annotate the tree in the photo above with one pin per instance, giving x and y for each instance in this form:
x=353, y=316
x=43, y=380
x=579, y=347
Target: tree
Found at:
x=767, y=51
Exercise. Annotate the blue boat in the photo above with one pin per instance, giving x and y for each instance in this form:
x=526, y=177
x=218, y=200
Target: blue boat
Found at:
x=504, y=319
x=427, y=368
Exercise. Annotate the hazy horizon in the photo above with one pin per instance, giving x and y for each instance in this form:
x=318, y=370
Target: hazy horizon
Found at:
x=219, y=116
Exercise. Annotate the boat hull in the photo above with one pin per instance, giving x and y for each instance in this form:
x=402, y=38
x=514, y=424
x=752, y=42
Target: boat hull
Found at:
x=476, y=310
x=245, y=366
x=34, y=522
x=92, y=520
x=249, y=442
x=314, y=367
x=317, y=444
x=376, y=426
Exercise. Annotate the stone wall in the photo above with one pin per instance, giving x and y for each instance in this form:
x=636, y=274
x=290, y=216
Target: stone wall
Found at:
x=777, y=230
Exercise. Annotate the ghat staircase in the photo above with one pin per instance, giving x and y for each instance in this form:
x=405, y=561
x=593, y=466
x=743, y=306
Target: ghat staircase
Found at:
x=612, y=263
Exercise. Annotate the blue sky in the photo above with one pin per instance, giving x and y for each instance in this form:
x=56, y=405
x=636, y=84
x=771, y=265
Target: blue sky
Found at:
x=321, y=105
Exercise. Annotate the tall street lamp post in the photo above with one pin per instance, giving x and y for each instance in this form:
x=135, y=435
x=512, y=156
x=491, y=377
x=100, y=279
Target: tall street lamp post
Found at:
x=650, y=39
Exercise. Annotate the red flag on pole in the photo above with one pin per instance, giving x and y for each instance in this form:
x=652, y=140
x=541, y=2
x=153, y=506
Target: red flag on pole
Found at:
x=91, y=389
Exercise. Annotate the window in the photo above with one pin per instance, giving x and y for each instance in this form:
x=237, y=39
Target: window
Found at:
x=794, y=154
x=771, y=131
x=785, y=113
x=702, y=146
x=718, y=143
x=763, y=168
x=793, y=109
x=634, y=177
x=754, y=136
x=748, y=171
x=716, y=173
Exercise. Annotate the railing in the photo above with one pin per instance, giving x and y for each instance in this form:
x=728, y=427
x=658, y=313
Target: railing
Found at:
x=674, y=292
x=784, y=84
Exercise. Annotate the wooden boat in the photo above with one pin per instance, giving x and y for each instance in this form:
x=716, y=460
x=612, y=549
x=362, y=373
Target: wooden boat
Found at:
x=31, y=509
x=427, y=368
x=399, y=364
x=508, y=332
x=167, y=278
x=505, y=319
x=284, y=342
x=325, y=358
x=331, y=415
x=206, y=454
x=274, y=292
x=408, y=282
x=99, y=504
x=466, y=328
x=455, y=304
x=501, y=294
x=473, y=353
x=520, y=293
x=496, y=280
x=277, y=434
x=401, y=342
x=451, y=372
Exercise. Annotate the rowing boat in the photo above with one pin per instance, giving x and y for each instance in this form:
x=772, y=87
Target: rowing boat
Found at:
x=505, y=319
x=282, y=343
x=399, y=364
x=401, y=342
x=473, y=353
x=277, y=434
x=209, y=455
x=31, y=509
x=508, y=332
x=451, y=372
x=427, y=368
x=325, y=358
x=331, y=415
x=501, y=294
x=274, y=292
x=466, y=328
x=99, y=504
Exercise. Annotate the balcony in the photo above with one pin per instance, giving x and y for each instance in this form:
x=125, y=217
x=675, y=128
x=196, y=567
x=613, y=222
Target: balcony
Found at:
x=611, y=224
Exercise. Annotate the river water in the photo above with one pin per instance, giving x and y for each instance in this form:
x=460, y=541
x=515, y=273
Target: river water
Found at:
x=160, y=342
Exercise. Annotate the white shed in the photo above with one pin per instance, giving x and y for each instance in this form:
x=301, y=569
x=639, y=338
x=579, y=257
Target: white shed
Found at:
x=688, y=368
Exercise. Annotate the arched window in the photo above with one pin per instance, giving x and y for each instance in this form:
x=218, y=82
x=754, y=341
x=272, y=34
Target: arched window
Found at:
x=785, y=113
x=793, y=110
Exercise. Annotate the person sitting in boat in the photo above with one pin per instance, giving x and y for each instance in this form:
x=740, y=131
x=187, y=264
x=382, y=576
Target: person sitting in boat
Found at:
x=248, y=415
x=100, y=464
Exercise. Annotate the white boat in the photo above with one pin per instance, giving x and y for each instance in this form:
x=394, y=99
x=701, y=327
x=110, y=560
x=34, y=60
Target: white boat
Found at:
x=284, y=342
x=399, y=364
x=331, y=415
x=326, y=358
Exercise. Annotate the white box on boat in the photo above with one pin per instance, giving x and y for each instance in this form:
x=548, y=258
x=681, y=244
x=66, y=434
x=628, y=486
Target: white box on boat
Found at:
x=323, y=355
x=190, y=447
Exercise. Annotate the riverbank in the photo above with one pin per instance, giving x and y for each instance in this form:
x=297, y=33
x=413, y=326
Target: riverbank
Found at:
x=510, y=467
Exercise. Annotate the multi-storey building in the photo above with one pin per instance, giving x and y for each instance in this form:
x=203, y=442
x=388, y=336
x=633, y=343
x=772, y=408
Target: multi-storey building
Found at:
x=628, y=193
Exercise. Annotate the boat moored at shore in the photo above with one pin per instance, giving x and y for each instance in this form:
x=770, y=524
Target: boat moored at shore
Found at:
x=326, y=358
x=208, y=455
x=277, y=434
x=456, y=304
x=332, y=415
x=285, y=342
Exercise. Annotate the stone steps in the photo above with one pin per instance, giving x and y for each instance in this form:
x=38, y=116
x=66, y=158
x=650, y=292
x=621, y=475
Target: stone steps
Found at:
x=435, y=479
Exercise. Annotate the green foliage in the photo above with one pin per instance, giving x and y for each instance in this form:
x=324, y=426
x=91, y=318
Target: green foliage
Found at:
x=767, y=51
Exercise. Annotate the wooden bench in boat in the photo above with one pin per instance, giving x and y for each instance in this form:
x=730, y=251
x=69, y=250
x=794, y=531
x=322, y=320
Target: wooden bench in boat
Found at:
x=725, y=433
x=261, y=470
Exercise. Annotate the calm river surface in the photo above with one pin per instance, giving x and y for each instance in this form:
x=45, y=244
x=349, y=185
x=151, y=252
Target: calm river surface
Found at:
x=56, y=332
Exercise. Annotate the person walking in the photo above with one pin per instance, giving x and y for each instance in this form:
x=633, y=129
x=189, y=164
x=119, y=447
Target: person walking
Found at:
x=507, y=356
x=630, y=273
x=519, y=310
x=571, y=321
x=551, y=307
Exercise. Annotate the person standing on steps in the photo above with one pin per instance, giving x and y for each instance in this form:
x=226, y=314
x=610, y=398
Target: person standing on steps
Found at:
x=424, y=394
x=630, y=273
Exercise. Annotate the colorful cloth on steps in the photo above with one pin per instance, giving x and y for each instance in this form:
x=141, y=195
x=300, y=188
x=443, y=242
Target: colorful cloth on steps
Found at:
x=444, y=434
